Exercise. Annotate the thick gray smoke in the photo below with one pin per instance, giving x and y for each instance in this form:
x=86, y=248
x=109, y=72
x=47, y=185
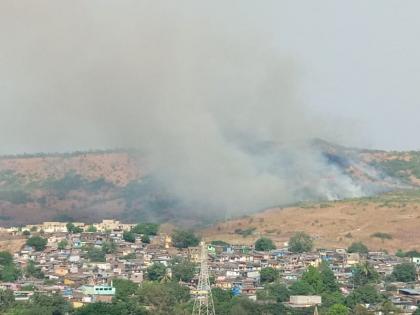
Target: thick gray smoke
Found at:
x=200, y=89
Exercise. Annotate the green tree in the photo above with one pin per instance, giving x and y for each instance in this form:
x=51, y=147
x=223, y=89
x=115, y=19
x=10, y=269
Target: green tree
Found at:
x=62, y=244
x=264, y=244
x=328, y=278
x=91, y=229
x=184, y=239
x=313, y=277
x=146, y=229
x=338, y=309
x=145, y=239
x=417, y=312
x=163, y=298
x=9, y=273
x=364, y=273
x=96, y=254
x=124, y=289
x=129, y=237
x=109, y=247
x=301, y=287
x=300, y=242
x=405, y=272
x=37, y=242
x=156, y=272
x=268, y=275
x=71, y=228
x=358, y=247
x=182, y=269
x=7, y=299
x=274, y=291
x=5, y=258
x=33, y=271
x=366, y=294
x=26, y=233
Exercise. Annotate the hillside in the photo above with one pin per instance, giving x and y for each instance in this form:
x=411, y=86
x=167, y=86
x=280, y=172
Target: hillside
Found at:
x=121, y=184
x=390, y=221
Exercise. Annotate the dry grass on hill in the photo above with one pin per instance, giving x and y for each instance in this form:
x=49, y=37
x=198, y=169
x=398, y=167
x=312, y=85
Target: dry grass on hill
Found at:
x=335, y=224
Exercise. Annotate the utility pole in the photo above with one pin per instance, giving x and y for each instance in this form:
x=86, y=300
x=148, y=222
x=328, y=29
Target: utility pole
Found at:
x=203, y=299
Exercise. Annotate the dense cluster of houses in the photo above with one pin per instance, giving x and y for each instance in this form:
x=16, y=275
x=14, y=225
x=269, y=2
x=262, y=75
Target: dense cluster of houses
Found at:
x=70, y=272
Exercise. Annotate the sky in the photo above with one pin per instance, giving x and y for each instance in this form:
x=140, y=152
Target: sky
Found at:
x=97, y=74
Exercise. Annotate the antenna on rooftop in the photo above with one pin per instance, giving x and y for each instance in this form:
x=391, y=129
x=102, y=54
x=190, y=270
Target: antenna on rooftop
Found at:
x=203, y=300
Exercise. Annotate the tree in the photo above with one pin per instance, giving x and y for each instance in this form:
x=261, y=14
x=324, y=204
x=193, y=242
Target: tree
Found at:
x=274, y=291
x=328, y=278
x=96, y=255
x=358, y=247
x=109, y=247
x=7, y=299
x=264, y=244
x=62, y=244
x=184, y=239
x=301, y=287
x=338, y=309
x=268, y=275
x=5, y=258
x=71, y=228
x=300, y=242
x=156, y=272
x=182, y=269
x=26, y=233
x=145, y=239
x=417, y=312
x=313, y=278
x=364, y=273
x=366, y=294
x=124, y=288
x=9, y=273
x=37, y=242
x=405, y=272
x=146, y=229
x=163, y=297
x=129, y=237
x=33, y=271
x=91, y=229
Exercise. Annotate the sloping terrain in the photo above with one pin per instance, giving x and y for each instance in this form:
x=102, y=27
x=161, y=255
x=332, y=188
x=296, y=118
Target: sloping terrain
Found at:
x=390, y=221
x=121, y=184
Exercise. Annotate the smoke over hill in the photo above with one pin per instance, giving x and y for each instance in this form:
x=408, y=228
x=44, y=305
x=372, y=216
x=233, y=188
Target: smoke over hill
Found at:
x=198, y=95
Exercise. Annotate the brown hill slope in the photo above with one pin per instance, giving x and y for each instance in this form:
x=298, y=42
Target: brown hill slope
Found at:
x=334, y=224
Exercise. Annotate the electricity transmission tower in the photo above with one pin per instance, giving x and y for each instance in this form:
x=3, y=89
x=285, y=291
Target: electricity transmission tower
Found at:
x=203, y=300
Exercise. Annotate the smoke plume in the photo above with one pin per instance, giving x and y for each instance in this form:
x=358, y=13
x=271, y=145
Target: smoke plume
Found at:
x=199, y=88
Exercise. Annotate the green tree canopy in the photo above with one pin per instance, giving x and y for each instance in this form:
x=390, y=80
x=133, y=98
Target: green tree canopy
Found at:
x=184, y=238
x=129, y=236
x=264, y=244
x=182, y=269
x=405, y=272
x=91, y=229
x=5, y=258
x=124, y=288
x=363, y=274
x=156, y=272
x=62, y=244
x=268, y=275
x=37, y=242
x=71, y=228
x=358, y=247
x=146, y=229
x=300, y=242
x=96, y=254
x=33, y=271
x=366, y=294
x=338, y=309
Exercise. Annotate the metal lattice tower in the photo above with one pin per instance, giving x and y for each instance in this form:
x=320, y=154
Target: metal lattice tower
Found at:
x=203, y=300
